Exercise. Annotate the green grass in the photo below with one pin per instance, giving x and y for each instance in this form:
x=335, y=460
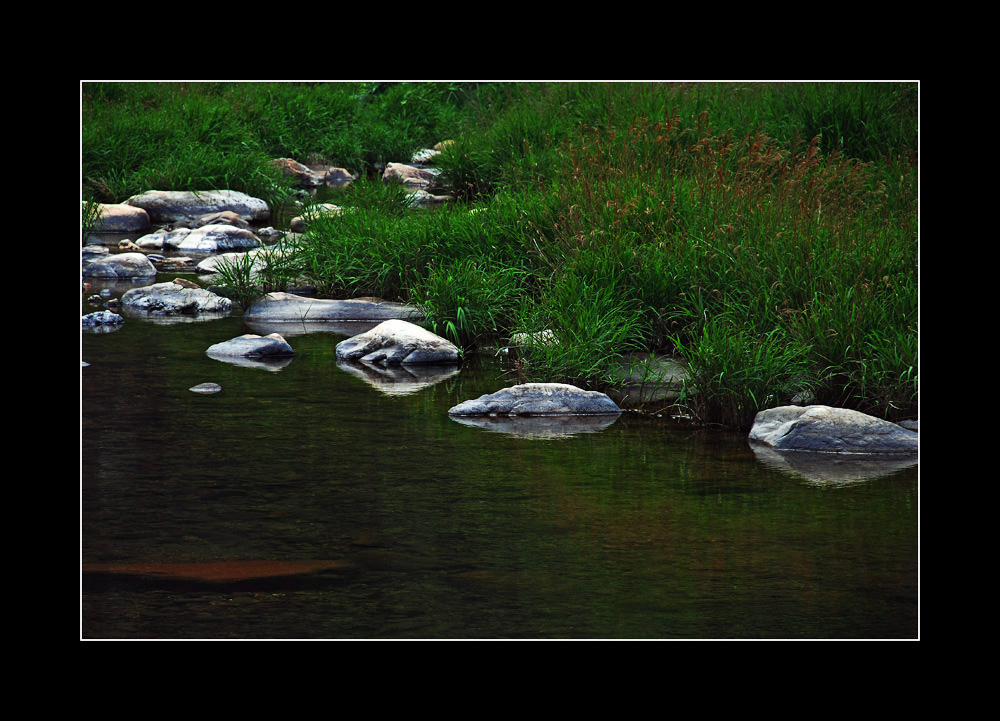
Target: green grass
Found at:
x=767, y=232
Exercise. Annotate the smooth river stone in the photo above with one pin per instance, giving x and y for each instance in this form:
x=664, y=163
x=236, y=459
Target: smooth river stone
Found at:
x=206, y=388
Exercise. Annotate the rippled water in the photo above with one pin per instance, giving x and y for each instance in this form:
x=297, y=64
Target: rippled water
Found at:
x=640, y=529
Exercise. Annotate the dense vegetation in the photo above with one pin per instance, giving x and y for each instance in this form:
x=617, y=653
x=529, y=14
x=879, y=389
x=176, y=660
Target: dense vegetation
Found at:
x=765, y=232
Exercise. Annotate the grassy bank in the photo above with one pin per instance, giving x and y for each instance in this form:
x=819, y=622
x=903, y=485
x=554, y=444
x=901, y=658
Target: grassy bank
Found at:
x=766, y=232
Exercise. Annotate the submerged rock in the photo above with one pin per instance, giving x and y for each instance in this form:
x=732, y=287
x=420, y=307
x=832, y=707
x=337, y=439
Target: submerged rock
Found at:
x=167, y=206
x=538, y=399
x=121, y=265
x=173, y=298
x=397, y=342
x=830, y=430
x=252, y=346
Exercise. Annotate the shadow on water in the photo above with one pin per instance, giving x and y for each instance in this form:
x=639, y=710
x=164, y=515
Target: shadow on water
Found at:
x=440, y=529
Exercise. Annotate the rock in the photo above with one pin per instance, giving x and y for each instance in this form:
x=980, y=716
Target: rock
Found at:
x=910, y=425
x=104, y=317
x=647, y=377
x=830, y=430
x=257, y=259
x=422, y=197
x=163, y=238
x=176, y=263
x=539, y=338
x=338, y=175
x=269, y=234
x=206, y=239
x=287, y=307
x=409, y=174
x=122, y=265
x=121, y=218
x=252, y=346
x=90, y=253
x=206, y=388
x=171, y=298
x=167, y=206
x=185, y=283
x=538, y=399
x=319, y=210
x=397, y=342
x=223, y=217
x=425, y=155
x=307, y=177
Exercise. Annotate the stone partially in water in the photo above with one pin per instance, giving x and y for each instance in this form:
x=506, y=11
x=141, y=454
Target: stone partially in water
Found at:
x=120, y=266
x=171, y=298
x=538, y=399
x=104, y=317
x=252, y=346
x=830, y=430
x=121, y=218
x=168, y=206
x=206, y=388
x=397, y=342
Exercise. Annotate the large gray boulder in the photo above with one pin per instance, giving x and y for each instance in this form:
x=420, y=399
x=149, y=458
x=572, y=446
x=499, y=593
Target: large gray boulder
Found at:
x=120, y=266
x=397, y=342
x=538, y=399
x=169, y=206
x=252, y=346
x=173, y=298
x=830, y=430
x=286, y=307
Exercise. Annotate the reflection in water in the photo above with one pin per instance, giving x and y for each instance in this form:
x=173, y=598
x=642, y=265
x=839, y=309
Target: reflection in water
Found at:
x=832, y=468
x=538, y=426
x=399, y=380
x=273, y=364
x=637, y=530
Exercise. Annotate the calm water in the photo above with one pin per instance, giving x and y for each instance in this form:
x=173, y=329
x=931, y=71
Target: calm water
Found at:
x=639, y=530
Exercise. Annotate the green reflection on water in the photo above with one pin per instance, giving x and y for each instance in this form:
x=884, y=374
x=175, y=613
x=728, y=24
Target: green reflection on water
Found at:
x=642, y=530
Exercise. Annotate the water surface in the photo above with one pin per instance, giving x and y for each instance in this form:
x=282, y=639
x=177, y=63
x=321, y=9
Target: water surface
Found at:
x=640, y=529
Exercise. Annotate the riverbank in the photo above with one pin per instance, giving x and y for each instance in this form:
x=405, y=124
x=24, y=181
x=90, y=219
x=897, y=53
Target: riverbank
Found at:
x=767, y=233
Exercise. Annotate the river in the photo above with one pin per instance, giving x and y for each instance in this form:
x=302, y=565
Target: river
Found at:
x=433, y=529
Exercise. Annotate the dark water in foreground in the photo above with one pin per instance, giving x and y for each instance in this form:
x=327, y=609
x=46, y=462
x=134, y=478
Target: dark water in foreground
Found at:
x=640, y=530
